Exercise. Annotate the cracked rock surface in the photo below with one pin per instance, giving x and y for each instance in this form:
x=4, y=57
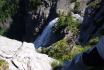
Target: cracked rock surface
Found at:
x=23, y=56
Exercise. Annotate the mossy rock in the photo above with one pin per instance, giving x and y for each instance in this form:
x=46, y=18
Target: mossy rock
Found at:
x=4, y=65
x=95, y=4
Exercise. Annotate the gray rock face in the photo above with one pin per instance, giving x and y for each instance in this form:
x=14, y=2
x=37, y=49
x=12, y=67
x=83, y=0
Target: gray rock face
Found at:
x=93, y=24
x=23, y=56
x=63, y=7
x=47, y=11
x=6, y=24
x=29, y=23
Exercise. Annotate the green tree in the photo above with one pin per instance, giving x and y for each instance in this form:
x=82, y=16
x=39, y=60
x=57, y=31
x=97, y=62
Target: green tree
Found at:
x=8, y=8
x=69, y=22
x=35, y=3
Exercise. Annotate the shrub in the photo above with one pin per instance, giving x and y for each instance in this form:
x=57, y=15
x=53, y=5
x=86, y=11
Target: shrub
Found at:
x=57, y=50
x=35, y=3
x=62, y=52
x=95, y=4
x=77, y=7
x=8, y=8
x=62, y=23
x=2, y=31
x=73, y=25
x=69, y=22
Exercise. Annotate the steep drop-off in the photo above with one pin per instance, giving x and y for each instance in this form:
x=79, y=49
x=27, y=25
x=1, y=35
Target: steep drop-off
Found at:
x=31, y=17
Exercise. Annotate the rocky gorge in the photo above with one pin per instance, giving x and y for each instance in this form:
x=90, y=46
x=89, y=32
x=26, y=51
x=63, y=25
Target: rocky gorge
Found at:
x=27, y=23
x=38, y=35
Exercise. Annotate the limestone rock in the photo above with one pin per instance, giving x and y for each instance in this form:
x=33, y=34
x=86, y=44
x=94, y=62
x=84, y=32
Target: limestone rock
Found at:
x=63, y=6
x=23, y=56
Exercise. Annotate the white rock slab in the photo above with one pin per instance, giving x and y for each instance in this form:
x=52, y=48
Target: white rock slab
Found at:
x=23, y=56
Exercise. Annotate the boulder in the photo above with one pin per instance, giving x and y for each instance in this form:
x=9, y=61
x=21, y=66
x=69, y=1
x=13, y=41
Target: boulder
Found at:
x=77, y=17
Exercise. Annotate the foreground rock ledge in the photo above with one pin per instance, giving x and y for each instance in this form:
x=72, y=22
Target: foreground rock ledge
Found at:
x=23, y=56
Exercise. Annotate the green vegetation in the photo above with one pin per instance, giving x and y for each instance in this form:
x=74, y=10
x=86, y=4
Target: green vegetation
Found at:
x=73, y=1
x=35, y=3
x=62, y=51
x=1, y=62
x=95, y=4
x=62, y=23
x=77, y=7
x=2, y=31
x=56, y=64
x=10, y=7
x=94, y=41
x=69, y=22
x=58, y=50
x=4, y=65
x=7, y=8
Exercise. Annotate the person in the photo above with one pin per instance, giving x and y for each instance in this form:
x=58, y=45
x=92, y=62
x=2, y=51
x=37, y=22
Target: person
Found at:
x=92, y=25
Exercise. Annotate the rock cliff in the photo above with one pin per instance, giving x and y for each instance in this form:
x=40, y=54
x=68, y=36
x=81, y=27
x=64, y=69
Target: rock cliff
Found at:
x=23, y=56
x=28, y=22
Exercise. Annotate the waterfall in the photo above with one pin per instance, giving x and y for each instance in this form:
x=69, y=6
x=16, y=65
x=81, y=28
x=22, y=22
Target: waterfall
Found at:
x=44, y=38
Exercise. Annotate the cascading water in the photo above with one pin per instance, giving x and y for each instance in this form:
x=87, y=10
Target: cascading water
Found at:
x=44, y=38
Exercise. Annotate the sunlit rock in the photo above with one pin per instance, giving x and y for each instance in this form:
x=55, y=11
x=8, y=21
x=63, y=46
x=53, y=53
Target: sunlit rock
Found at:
x=23, y=56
